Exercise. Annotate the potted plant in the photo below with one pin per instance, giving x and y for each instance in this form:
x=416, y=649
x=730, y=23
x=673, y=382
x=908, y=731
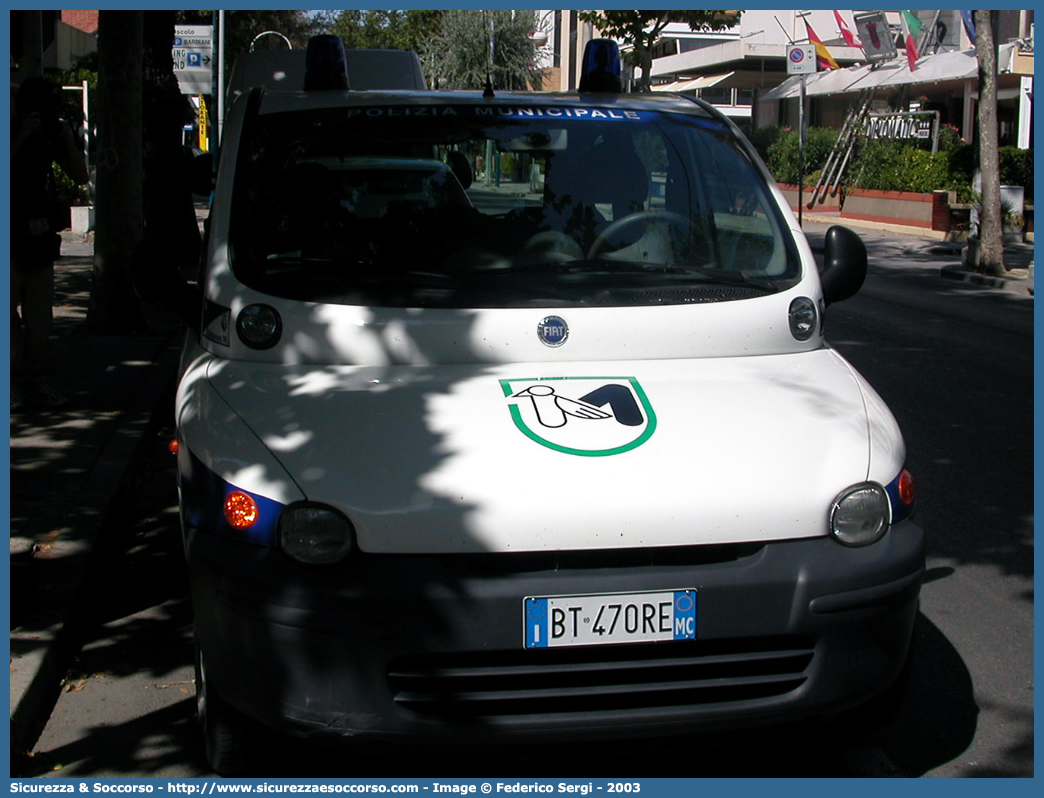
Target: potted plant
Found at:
x=970, y=253
x=1012, y=221
x=78, y=198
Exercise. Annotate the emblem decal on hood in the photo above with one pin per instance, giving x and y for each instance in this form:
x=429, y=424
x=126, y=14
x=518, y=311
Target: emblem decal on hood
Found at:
x=587, y=416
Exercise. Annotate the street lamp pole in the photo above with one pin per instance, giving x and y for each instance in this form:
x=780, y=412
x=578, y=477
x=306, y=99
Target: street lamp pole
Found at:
x=489, y=82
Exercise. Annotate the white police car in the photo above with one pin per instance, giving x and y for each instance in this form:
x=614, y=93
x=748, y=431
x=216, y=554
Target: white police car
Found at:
x=510, y=417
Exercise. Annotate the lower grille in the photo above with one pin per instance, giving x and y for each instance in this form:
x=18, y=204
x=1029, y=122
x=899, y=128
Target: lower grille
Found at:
x=599, y=679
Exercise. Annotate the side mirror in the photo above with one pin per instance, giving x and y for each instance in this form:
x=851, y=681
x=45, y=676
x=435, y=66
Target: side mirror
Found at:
x=201, y=174
x=844, y=264
x=156, y=280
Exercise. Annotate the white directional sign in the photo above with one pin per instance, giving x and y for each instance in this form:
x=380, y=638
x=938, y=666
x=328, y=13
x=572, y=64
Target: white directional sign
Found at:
x=193, y=54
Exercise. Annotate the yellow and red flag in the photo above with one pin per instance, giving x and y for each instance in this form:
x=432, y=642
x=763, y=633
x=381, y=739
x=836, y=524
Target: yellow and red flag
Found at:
x=823, y=57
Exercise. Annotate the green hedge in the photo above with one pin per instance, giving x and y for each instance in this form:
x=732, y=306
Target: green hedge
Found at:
x=763, y=138
x=784, y=150
x=889, y=164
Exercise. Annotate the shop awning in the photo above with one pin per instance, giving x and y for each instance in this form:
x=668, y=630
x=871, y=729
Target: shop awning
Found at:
x=691, y=84
x=930, y=69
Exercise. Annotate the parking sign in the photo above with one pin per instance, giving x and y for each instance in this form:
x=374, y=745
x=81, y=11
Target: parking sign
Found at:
x=192, y=53
x=801, y=59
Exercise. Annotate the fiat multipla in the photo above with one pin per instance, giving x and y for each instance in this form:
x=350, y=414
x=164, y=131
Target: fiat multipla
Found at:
x=508, y=417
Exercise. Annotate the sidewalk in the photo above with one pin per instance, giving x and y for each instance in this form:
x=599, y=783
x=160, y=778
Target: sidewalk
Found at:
x=890, y=250
x=67, y=465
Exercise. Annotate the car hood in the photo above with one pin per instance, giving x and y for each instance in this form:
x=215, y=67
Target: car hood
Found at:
x=505, y=458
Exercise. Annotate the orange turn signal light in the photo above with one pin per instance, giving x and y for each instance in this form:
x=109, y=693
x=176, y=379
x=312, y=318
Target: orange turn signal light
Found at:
x=906, y=487
x=240, y=510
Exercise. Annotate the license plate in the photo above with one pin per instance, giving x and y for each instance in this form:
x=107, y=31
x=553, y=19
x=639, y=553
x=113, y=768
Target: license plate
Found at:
x=596, y=620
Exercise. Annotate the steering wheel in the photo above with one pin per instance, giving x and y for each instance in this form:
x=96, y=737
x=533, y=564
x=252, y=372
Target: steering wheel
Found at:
x=642, y=217
x=553, y=246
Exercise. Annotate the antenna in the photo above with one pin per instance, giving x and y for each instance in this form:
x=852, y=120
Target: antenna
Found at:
x=784, y=30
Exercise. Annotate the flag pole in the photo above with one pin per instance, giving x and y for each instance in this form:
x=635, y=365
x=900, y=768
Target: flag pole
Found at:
x=789, y=38
x=801, y=131
x=801, y=151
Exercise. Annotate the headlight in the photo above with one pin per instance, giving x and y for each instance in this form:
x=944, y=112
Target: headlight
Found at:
x=860, y=515
x=259, y=326
x=803, y=318
x=315, y=535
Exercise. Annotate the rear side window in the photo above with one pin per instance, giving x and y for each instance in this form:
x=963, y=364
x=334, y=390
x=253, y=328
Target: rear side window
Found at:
x=472, y=206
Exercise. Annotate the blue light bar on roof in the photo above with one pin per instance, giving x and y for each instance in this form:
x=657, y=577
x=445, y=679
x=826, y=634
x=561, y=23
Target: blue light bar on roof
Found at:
x=326, y=66
x=601, y=67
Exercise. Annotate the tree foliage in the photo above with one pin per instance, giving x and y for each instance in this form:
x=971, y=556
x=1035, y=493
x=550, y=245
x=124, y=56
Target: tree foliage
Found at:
x=475, y=44
x=642, y=29
x=385, y=30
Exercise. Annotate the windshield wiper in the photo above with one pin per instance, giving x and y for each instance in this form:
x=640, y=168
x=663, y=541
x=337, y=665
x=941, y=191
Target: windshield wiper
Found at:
x=717, y=276
x=733, y=278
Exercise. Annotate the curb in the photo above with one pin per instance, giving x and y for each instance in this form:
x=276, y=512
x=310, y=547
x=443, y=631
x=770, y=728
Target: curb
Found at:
x=1019, y=280
x=1018, y=284
x=40, y=657
x=882, y=228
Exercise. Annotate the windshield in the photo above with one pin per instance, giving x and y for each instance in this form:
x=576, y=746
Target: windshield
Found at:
x=482, y=206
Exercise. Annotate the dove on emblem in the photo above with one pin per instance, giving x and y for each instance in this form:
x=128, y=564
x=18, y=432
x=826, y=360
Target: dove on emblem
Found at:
x=553, y=410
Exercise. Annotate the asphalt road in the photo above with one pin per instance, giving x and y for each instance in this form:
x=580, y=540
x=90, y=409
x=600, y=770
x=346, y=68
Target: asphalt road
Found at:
x=955, y=365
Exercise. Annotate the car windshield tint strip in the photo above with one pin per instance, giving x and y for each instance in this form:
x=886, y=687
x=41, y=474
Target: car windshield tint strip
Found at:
x=477, y=206
x=503, y=112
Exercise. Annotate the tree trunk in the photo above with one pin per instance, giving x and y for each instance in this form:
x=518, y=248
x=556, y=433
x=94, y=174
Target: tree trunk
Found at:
x=171, y=241
x=644, y=57
x=991, y=233
x=114, y=308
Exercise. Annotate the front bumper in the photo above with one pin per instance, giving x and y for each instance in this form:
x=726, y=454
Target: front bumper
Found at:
x=418, y=647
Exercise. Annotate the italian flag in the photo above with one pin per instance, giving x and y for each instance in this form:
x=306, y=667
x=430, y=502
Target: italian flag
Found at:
x=911, y=27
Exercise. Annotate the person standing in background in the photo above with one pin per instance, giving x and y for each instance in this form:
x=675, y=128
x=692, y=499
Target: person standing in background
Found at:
x=39, y=139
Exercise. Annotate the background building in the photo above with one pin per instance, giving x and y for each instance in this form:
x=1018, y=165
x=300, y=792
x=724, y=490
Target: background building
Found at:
x=49, y=41
x=561, y=38
x=743, y=70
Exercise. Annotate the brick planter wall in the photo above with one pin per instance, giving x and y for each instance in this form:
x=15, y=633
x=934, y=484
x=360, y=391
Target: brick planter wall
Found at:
x=926, y=211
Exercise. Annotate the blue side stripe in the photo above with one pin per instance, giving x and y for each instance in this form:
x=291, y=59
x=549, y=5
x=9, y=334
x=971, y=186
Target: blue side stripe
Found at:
x=900, y=511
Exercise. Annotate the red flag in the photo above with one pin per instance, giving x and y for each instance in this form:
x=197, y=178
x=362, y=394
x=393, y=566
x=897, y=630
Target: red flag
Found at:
x=823, y=57
x=846, y=34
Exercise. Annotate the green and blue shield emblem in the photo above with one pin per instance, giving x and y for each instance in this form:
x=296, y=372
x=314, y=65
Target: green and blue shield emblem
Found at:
x=586, y=416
